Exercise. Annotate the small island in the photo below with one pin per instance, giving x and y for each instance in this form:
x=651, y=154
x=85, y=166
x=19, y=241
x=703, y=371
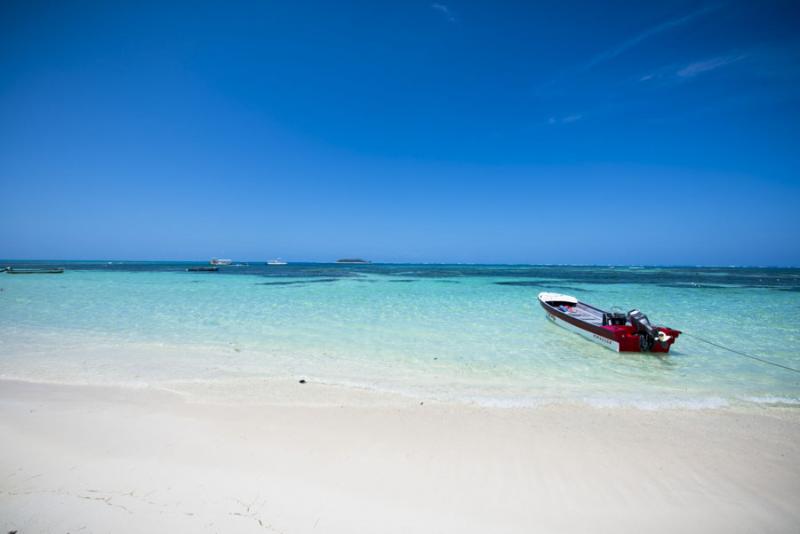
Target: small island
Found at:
x=352, y=260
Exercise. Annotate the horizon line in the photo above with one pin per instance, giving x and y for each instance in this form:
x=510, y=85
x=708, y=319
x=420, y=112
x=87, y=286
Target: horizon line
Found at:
x=433, y=263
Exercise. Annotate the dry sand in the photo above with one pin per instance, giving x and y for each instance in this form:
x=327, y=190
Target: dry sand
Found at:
x=87, y=459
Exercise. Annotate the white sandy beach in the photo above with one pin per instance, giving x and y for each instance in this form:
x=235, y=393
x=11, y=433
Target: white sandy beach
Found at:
x=87, y=459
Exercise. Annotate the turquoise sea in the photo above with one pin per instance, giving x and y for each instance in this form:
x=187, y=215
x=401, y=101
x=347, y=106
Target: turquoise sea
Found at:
x=449, y=333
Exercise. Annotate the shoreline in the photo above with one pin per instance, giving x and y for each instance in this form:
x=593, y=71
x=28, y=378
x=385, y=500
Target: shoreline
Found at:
x=130, y=460
x=312, y=392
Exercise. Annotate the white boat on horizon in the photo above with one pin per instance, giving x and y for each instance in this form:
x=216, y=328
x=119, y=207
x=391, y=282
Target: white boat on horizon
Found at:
x=276, y=261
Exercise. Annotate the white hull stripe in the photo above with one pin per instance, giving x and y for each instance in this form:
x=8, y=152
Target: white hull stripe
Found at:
x=600, y=340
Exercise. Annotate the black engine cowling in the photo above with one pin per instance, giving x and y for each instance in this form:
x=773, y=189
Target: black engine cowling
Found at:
x=647, y=334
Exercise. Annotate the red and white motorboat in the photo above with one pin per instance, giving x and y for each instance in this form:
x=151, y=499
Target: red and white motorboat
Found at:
x=622, y=332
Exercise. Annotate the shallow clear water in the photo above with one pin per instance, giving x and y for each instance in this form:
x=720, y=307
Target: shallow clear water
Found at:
x=443, y=332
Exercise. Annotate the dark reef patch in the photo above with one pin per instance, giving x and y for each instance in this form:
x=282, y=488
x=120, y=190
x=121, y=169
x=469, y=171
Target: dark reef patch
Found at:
x=298, y=282
x=522, y=283
x=697, y=286
x=541, y=285
x=535, y=276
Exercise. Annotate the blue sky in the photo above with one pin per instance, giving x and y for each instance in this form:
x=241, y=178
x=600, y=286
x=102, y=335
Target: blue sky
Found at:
x=629, y=132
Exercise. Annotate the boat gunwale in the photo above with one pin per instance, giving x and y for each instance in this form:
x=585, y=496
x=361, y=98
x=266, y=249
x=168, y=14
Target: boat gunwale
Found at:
x=599, y=330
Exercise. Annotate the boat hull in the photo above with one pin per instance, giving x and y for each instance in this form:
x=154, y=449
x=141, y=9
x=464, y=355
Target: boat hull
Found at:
x=591, y=336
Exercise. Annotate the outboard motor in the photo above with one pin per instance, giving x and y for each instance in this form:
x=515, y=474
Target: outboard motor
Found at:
x=647, y=334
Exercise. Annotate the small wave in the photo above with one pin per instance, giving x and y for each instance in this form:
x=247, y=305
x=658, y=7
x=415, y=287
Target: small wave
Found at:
x=44, y=381
x=511, y=402
x=709, y=403
x=774, y=401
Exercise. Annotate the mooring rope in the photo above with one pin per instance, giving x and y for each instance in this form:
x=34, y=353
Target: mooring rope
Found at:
x=758, y=359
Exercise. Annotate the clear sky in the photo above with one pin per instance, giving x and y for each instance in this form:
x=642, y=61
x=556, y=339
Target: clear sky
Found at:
x=629, y=132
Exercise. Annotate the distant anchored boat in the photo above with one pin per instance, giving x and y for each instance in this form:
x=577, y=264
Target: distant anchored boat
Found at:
x=13, y=270
x=276, y=261
x=352, y=260
x=203, y=269
x=622, y=332
x=215, y=261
